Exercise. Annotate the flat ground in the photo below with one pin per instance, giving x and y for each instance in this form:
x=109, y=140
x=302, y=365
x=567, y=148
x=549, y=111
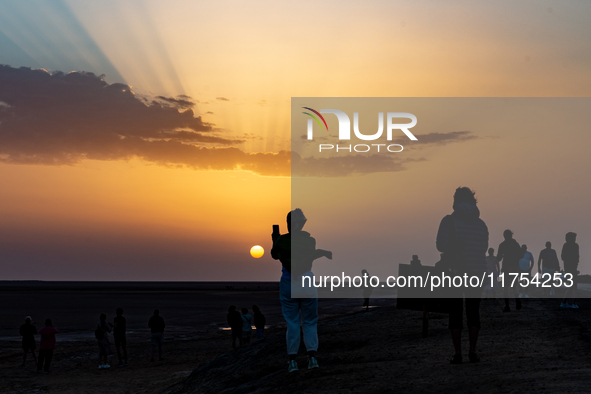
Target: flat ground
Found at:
x=540, y=349
x=194, y=314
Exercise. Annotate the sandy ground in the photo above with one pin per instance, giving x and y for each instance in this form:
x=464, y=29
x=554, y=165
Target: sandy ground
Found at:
x=75, y=367
x=194, y=314
x=540, y=349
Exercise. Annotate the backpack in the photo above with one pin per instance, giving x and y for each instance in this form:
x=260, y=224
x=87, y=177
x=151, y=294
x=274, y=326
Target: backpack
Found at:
x=99, y=333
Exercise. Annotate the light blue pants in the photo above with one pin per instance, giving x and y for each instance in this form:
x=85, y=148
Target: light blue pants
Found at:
x=296, y=310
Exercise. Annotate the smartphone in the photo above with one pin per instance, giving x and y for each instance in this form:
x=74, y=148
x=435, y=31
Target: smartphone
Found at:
x=275, y=234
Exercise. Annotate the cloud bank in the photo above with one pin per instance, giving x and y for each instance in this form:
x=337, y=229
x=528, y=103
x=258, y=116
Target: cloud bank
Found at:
x=436, y=139
x=57, y=119
x=62, y=119
x=342, y=166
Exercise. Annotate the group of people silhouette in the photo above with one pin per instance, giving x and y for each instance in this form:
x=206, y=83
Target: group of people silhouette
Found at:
x=518, y=260
x=103, y=329
x=241, y=324
x=46, y=344
x=462, y=239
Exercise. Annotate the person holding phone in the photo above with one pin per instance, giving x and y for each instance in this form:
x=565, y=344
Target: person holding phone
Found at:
x=303, y=308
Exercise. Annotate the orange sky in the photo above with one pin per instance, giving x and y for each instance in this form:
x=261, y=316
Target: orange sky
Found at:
x=116, y=217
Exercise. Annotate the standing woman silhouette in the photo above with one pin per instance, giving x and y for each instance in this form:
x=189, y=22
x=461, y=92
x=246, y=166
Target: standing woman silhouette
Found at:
x=463, y=238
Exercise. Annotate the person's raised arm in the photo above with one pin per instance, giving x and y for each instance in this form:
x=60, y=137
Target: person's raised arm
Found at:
x=322, y=253
x=276, y=249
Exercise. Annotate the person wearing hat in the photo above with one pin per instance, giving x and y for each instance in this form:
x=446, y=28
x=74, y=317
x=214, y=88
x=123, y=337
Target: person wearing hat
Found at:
x=28, y=332
x=304, y=307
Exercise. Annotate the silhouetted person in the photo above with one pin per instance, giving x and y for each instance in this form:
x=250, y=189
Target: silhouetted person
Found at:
x=415, y=262
x=259, y=321
x=463, y=238
x=156, y=324
x=526, y=264
x=246, y=326
x=570, y=257
x=440, y=265
x=102, y=337
x=492, y=267
x=548, y=264
x=119, y=333
x=28, y=332
x=235, y=322
x=367, y=290
x=510, y=253
x=46, y=346
x=304, y=309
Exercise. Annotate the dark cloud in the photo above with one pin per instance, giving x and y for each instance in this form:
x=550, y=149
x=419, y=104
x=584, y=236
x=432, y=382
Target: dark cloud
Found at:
x=423, y=139
x=435, y=139
x=172, y=154
x=342, y=166
x=62, y=119
x=222, y=99
x=322, y=138
x=348, y=165
x=181, y=102
x=252, y=136
x=65, y=118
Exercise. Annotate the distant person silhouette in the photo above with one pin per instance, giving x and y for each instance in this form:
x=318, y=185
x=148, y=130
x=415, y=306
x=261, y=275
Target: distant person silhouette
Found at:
x=492, y=267
x=415, y=262
x=235, y=322
x=259, y=321
x=570, y=257
x=304, y=309
x=156, y=324
x=28, y=332
x=548, y=264
x=510, y=253
x=463, y=239
x=102, y=337
x=46, y=346
x=119, y=333
x=367, y=290
x=526, y=264
x=246, y=326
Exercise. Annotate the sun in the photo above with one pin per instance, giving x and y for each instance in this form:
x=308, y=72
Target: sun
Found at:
x=257, y=251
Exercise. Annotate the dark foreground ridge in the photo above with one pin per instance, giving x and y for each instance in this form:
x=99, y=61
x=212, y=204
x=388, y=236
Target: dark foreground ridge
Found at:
x=541, y=348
